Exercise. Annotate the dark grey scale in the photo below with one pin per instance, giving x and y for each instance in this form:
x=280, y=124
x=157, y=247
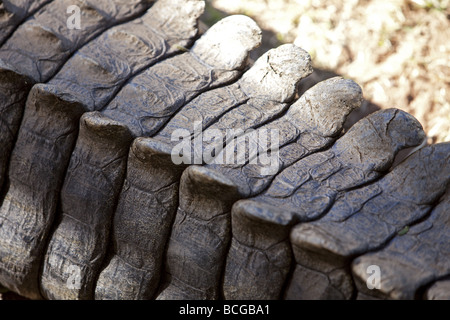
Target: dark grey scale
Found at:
x=364, y=220
x=40, y=46
x=360, y=156
x=88, y=205
x=13, y=13
x=415, y=258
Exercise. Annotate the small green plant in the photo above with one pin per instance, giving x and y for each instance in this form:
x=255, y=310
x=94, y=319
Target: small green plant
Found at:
x=403, y=231
x=212, y=15
x=181, y=48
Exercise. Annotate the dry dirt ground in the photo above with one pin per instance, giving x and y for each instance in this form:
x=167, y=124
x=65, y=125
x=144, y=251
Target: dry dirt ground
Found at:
x=398, y=51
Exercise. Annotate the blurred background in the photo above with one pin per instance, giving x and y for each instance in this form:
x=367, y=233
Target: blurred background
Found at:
x=398, y=51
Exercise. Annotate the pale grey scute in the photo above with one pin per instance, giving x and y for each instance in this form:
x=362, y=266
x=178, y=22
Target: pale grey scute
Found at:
x=13, y=13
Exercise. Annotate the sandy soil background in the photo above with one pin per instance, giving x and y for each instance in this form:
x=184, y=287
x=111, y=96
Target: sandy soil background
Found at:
x=398, y=51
